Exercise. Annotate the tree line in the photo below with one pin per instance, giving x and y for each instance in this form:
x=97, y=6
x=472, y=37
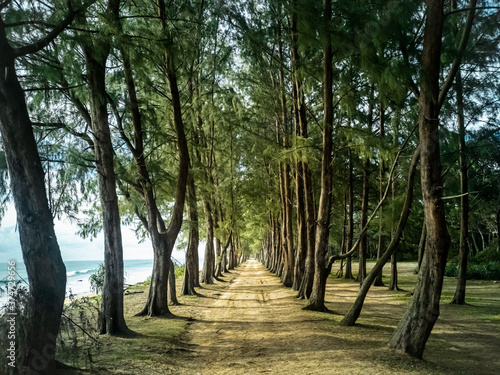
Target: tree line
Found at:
x=291, y=130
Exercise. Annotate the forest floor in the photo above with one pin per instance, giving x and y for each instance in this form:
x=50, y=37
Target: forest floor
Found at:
x=250, y=324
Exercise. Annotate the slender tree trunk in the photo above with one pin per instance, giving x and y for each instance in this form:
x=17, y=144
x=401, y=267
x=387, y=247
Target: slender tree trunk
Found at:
x=476, y=246
x=41, y=254
x=112, y=320
x=288, y=250
x=393, y=281
x=340, y=272
x=463, y=249
x=350, y=228
x=172, y=292
x=355, y=310
x=382, y=171
x=498, y=224
x=416, y=325
x=363, y=245
x=218, y=259
x=301, y=224
x=364, y=216
x=208, y=271
x=189, y=282
x=163, y=242
x=321, y=270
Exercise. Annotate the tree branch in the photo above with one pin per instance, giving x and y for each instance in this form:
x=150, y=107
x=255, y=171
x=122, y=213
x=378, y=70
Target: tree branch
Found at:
x=461, y=49
x=372, y=216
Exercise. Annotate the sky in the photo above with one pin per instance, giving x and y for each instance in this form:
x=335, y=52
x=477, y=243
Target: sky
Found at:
x=72, y=246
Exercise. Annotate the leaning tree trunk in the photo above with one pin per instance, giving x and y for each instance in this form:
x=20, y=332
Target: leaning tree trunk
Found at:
x=41, y=254
x=416, y=325
x=353, y=313
x=463, y=249
x=321, y=270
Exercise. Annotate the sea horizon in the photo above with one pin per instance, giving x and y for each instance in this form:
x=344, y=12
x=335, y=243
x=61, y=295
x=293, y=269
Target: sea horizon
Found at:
x=78, y=273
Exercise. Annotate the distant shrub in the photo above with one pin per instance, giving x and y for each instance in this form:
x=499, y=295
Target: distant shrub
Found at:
x=97, y=279
x=476, y=271
x=489, y=254
x=179, y=270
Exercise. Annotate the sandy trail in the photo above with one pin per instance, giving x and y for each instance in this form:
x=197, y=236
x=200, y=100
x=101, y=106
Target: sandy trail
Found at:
x=251, y=324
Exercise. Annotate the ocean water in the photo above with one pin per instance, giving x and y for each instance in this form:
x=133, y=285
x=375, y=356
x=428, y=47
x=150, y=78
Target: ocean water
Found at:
x=78, y=273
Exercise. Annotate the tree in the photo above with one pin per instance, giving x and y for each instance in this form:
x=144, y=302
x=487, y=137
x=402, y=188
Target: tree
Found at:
x=322, y=269
x=41, y=253
x=96, y=51
x=416, y=325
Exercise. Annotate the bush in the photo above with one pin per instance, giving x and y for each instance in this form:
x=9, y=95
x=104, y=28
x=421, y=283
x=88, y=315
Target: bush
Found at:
x=97, y=279
x=476, y=271
x=489, y=254
x=78, y=340
x=179, y=270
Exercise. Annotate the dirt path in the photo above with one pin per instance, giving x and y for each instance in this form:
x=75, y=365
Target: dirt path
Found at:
x=251, y=324
x=248, y=323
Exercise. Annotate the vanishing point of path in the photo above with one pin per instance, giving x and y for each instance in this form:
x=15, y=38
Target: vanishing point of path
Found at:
x=251, y=324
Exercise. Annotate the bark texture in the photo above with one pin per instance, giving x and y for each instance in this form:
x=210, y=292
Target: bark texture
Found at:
x=416, y=325
x=191, y=268
x=96, y=51
x=355, y=310
x=41, y=254
x=463, y=248
x=321, y=269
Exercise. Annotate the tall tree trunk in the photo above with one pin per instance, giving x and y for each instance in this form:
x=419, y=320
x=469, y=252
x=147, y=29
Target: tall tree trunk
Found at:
x=191, y=269
x=306, y=285
x=382, y=171
x=393, y=281
x=498, y=224
x=321, y=270
x=96, y=53
x=363, y=245
x=350, y=227
x=41, y=254
x=288, y=250
x=208, y=271
x=163, y=239
x=353, y=313
x=172, y=292
x=463, y=249
x=364, y=216
x=218, y=259
x=416, y=325
x=343, y=250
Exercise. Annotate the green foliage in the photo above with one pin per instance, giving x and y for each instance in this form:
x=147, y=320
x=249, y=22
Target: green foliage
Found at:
x=179, y=270
x=78, y=341
x=477, y=271
x=97, y=279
